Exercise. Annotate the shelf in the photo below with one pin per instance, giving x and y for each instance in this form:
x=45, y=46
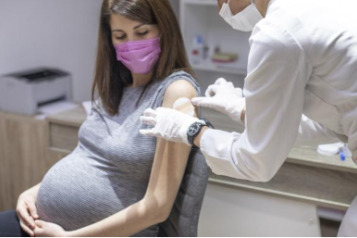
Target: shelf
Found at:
x=200, y=17
x=208, y=66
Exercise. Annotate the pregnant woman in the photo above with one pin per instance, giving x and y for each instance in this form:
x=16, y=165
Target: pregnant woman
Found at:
x=117, y=182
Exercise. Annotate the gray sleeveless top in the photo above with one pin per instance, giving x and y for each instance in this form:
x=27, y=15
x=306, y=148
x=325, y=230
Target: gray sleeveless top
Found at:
x=110, y=168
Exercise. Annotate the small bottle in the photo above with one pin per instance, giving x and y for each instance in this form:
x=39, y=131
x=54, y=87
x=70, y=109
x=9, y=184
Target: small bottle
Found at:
x=345, y=153
x=197, y=50
x=206, y=52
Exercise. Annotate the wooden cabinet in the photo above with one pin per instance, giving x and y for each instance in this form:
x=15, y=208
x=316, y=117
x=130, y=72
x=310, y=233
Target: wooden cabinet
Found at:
x=2, y=162
x=30, y=147
x=63, y=132
x=23, y=156
x=2, y=140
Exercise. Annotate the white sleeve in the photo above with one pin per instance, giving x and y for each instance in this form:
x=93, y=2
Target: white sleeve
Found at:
x=313, y=133
x=274, y=89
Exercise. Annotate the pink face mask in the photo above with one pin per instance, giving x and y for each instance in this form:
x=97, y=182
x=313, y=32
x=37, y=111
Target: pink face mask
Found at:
x=139, y=56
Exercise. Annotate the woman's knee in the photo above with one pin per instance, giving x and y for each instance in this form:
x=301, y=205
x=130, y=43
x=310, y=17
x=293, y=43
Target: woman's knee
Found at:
x=7, y=216
x=9, y=224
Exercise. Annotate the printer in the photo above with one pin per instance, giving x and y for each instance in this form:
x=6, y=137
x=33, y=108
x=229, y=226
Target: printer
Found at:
x=24, y=92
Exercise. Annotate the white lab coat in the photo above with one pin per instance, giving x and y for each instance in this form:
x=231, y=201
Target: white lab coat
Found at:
x=303, y=61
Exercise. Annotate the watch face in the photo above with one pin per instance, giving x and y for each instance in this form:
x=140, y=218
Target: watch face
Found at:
x=192, y=131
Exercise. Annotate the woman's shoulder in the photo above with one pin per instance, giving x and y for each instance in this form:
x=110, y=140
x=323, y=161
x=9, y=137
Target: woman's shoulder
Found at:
x=180, y=79
x=176, y=85
x=97, y=107
x=180, y=88
x=181, y=84
x=181, y=74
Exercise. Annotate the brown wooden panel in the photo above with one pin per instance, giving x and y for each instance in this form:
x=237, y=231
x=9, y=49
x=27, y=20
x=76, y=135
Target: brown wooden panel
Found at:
x=55, y=155
x=331, y=188
x=2, y=137
x=3, y=173
x=63, y=137
x=25, y=154
x=74, y=117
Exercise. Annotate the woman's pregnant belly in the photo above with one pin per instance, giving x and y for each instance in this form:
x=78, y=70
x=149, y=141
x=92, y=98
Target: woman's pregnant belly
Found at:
x=79, y=191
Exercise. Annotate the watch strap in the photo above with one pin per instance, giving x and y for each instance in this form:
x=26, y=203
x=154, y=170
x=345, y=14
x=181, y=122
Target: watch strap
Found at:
x=191, y=138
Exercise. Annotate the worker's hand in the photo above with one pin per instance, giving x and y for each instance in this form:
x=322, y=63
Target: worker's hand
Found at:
x=27, y=212
x=225, y=98
x=168, y=124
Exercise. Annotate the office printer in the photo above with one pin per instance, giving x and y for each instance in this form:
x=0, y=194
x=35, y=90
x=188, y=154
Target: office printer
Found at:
x=24, y=92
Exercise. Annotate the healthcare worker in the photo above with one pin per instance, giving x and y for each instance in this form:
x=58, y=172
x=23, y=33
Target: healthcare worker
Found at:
x=301, y=88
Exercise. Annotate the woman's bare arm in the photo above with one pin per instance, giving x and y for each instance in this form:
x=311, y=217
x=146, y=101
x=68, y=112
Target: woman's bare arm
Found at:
x=166, y=176
x=34, y=190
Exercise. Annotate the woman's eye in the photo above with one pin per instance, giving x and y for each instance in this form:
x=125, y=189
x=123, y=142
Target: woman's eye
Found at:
x=142, y=33
x=120, y=37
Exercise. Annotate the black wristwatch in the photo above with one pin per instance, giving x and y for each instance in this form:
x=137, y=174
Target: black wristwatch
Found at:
x=195, y=129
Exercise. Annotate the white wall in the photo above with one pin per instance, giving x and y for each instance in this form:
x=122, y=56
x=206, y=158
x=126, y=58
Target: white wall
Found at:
x=176, y=6
x=55, y=33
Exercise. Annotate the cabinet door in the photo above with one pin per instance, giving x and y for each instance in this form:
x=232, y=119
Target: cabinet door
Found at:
x=2, y=138
x=24, y=156
x=2, y=161
x=55, y=155
x=233, y=212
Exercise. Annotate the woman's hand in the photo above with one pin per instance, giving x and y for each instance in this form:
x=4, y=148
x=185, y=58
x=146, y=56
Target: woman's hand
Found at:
x=27, y=212
x=47, y=229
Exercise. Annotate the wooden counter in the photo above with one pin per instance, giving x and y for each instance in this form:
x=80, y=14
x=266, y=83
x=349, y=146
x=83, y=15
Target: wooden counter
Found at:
x=23, y=155
x=305, y=176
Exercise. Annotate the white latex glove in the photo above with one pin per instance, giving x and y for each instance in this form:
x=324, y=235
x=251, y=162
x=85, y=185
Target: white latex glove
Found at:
x=225, y=98
x=169, y=124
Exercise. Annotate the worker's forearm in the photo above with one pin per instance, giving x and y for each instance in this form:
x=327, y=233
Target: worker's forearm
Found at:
x=197, y=140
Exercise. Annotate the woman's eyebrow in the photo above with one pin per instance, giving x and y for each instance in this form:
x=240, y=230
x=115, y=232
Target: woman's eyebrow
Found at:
x=139, y=26
x=136, y=27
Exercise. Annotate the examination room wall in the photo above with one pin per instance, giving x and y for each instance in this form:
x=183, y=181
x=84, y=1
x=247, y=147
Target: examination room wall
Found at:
x=61, y=34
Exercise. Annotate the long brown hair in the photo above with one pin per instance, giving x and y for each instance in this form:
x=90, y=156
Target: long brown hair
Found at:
x=111, y=76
